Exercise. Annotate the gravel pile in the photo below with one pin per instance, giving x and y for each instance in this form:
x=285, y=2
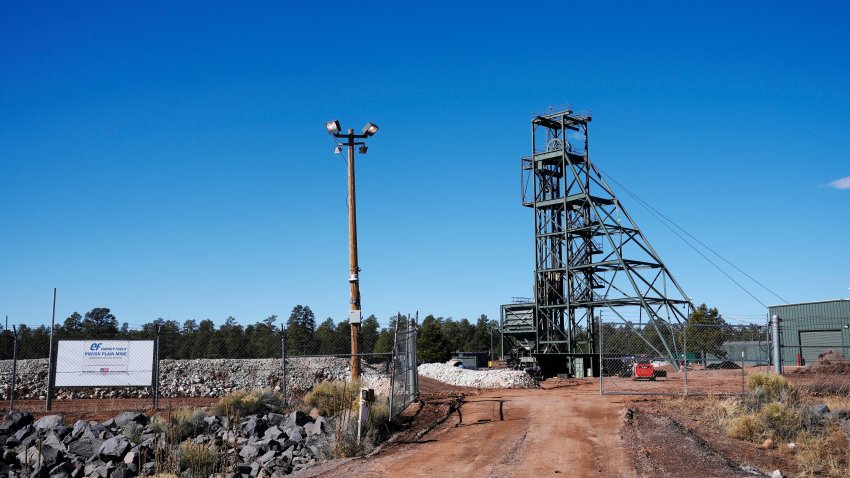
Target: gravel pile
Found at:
x=204, y=378
x=499, y=378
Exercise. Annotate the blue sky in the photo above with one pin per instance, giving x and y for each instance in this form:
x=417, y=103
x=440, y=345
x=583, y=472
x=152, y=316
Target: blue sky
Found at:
x=170, y=159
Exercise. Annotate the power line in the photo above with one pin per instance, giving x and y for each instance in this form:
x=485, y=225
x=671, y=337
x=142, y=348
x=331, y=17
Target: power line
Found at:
x=649, y=206
x=651, y=211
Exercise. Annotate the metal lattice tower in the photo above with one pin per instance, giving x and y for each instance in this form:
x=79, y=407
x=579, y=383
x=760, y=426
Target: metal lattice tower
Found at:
x=590, y=256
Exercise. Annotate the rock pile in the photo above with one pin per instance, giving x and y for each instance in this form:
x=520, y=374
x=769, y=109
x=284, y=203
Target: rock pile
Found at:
x=204, y=377
x=258, y=446
x=499, y=378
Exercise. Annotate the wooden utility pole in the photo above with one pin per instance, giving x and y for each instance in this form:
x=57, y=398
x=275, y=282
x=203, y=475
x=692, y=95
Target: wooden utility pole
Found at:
x=354, y=278
x=355, y=312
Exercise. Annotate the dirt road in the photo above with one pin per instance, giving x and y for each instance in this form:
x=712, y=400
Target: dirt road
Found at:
x=572, y=431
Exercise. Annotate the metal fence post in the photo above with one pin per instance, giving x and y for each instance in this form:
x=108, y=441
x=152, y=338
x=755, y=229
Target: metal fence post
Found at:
x=283, y=362
x=414, y=378
x=14, y=367
x=394, y=365
x=685, y=356
x=155, y=377
x=777, y=344
x=51, y=368
x=601, y=358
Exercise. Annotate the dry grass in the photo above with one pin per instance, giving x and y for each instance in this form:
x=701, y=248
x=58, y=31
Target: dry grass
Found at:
x=775, y=413
x=720, y=411
x=824, y=454
x=198, y=458
x=256, y=401
x=332, y=398
x=835, y=402
x=340, y=400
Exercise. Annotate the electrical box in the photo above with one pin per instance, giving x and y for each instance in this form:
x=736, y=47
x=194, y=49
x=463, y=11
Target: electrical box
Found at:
x=354, y=316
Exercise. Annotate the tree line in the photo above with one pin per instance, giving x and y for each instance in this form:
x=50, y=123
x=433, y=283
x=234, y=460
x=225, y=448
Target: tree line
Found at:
x=301, y=335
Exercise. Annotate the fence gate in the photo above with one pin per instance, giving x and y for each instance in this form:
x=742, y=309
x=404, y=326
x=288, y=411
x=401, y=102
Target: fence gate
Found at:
x=404, y=378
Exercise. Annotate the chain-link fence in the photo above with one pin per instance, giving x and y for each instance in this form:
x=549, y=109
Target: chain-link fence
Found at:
x=690, y=359
x=815, y=354
x=196, y=363
x=404, y=380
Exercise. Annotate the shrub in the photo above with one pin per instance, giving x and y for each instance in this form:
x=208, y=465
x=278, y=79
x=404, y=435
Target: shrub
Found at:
x=770, y=385
x=199, y=458
x=257, y=401
x=185, y=422
x=779, y=420
x=746, y=427
x=331, y=398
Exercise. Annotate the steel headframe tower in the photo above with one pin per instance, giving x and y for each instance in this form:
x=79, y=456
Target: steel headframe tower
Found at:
x=589, y=253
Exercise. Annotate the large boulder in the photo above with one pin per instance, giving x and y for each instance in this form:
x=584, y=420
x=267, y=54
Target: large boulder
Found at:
x=274, y=418
x=124, y=418
x=296, y=418
x=254, y=426
x=86, y=447
x=13, y=421
x=294, y=433
x=49, y=422
x=273, y=433
x=80, y=426
x=248, y=453
x=114, y=448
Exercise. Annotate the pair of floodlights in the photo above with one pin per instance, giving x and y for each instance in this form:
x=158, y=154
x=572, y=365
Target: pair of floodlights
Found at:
x=334, y=129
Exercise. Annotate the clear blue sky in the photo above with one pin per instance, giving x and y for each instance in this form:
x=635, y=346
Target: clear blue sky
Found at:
x=169, y=159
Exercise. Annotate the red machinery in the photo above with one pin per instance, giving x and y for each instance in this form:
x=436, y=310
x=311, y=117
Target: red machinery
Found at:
x=644, y=371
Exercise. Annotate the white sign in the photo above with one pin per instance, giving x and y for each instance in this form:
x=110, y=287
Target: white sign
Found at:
x=104, y=363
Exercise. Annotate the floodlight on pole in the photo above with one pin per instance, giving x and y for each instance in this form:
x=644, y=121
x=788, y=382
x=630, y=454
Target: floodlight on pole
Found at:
x=370, y=129
x=350, y=140
x=332, y=126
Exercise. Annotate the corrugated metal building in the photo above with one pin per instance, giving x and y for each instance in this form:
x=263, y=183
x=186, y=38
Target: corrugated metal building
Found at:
x=809, y=328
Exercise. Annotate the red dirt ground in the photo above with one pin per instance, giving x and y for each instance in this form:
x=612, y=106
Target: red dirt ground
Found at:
x=565, y=427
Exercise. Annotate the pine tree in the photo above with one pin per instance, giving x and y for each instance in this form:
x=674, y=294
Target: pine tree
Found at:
x=300, y=331
x=432, y=344
x=326, y=336
x=368, y=334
